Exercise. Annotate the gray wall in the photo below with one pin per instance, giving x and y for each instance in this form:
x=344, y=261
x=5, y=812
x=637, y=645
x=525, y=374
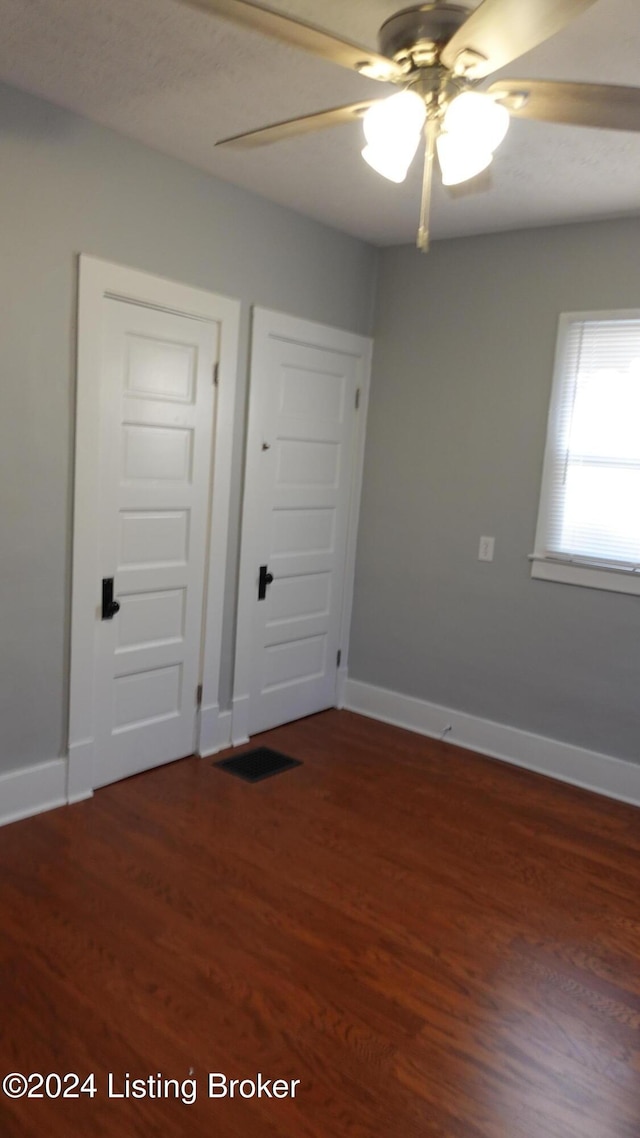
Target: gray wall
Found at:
x=463, y=359
x=67, y=186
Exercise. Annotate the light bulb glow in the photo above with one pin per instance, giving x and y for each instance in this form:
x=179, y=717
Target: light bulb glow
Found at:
x=392, y=164
x=402, y=114
x=460, y=159
x=392, y=129
x=476, y=119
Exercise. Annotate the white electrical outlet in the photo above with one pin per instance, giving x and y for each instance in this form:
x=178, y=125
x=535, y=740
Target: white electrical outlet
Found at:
x=487, y=546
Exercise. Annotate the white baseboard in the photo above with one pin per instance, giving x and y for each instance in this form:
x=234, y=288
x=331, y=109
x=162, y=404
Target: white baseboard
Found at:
x=603, y=774
x=32, y=790
x=80, y=771
x=240, y=720
x=80, y=796
x=215, y=731
x=341, y=685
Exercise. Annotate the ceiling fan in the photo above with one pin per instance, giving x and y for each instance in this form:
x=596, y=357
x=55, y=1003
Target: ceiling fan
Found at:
x=439, y=54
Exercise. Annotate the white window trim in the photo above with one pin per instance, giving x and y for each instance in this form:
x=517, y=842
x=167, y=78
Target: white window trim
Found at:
x=570, y=571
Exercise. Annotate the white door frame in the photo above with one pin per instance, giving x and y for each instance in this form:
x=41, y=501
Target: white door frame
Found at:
x=100, y=280
x=323, y=336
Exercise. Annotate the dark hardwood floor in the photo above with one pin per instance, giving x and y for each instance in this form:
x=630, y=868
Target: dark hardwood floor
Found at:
x=433, y=943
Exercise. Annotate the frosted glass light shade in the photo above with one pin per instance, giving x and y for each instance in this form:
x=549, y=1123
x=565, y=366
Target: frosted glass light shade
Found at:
x=392, y=162
x=392, y=129
x=459, y=160
x=477, y=120
x=402, y=114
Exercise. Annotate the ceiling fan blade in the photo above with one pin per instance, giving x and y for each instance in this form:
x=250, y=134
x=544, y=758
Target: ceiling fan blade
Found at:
x=292, y=127
x=297, y=33
x=578, y=104
x=499, y=31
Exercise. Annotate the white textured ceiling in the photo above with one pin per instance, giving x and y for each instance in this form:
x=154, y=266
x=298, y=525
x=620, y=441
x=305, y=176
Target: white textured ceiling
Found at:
x=178, y=79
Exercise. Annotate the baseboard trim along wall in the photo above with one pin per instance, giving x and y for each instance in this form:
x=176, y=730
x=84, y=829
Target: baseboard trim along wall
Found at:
x=603, y=774
x=44, y=786
x=240, y=720
x=215, y=731
x=59, y=782
x=32, y=790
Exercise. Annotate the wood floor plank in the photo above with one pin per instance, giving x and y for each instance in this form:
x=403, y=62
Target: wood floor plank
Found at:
x=434, y=943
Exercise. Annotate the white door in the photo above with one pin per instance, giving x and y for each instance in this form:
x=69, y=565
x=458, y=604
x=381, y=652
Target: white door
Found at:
x=301, y=483
x=156, y=432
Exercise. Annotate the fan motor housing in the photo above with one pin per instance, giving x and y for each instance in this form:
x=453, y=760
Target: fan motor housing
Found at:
x=416, y=36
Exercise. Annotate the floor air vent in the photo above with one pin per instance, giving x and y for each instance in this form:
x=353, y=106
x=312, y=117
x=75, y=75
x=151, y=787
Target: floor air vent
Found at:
x=253, y=766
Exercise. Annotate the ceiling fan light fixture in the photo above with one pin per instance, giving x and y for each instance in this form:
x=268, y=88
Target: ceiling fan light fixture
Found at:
x=392, y=129
x=477, y=120
x=436, y=48
x=390, y=163
x=459, y=160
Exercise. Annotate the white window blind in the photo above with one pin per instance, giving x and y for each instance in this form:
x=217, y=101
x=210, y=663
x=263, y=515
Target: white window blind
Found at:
x=590, y=505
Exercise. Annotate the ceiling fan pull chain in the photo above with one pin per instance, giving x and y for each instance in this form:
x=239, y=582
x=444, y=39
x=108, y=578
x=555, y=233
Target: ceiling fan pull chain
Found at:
x=430, y=133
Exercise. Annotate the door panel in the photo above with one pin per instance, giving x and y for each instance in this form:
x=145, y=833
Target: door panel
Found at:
x=155, y=459
x=153, y=539
x=149, y=620
x=298, y=490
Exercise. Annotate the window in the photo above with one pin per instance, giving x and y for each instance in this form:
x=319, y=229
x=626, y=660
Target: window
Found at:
x=589, y=522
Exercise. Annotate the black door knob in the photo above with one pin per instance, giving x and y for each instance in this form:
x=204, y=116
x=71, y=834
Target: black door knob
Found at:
x=109, y=606
x=264, y=578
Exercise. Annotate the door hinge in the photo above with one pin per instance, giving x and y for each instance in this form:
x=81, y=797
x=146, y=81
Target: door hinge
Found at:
x=357, y=397
x=339, y=658
x=216, y=373
x=199, y=695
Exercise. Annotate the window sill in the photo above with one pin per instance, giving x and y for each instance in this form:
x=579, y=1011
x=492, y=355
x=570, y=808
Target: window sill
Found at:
x=611, y=580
